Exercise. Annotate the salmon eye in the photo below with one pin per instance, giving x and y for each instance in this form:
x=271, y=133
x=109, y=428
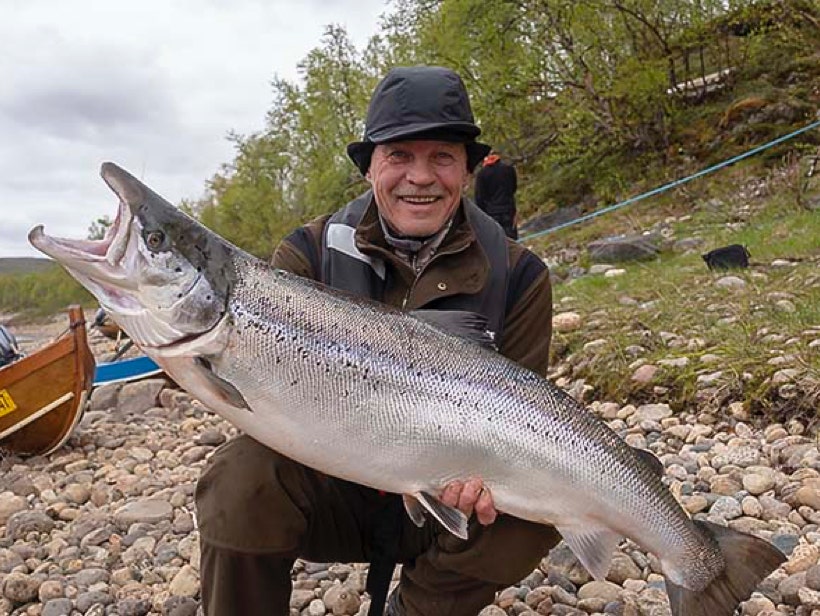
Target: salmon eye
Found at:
x=154, y=240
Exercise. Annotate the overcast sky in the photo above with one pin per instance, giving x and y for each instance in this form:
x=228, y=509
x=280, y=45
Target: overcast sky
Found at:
x=153, y=85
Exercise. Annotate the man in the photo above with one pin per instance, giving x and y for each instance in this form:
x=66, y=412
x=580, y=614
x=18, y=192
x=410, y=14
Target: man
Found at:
x=495, y=186
x=413, y=242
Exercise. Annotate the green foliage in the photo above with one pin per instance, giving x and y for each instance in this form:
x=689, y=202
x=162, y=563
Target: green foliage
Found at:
x=296, y=168
x=41, y=293
x=99, y=227
x=586, y=98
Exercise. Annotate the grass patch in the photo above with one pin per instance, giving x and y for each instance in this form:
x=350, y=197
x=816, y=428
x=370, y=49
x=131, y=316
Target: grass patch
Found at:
x=757, y=341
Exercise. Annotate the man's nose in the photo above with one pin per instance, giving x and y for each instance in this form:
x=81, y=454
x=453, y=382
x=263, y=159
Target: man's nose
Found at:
x=421, y=172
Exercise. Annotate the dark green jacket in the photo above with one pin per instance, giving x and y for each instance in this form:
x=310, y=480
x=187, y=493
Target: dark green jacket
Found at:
x=459, y=266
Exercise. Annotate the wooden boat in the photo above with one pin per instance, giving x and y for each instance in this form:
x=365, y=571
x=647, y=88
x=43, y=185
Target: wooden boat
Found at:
x=43, y=395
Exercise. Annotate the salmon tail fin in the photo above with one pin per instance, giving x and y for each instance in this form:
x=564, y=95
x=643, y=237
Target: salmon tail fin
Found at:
x=748, y=560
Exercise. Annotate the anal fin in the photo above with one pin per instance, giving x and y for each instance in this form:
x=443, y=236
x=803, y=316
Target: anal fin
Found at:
x=414, y=509
x=651, y=460
x=593, y=546
x=451, y=518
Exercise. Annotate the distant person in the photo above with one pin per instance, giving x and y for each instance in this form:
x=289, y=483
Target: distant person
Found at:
x=9, y=351
x=495, y=186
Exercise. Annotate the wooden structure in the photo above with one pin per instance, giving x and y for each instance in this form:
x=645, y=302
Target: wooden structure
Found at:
x=43, y=395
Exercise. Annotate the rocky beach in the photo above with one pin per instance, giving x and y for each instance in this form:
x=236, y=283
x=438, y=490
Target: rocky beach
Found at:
x=107, y=524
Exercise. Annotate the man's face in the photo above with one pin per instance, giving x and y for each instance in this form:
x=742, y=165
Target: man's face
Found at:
x=418, y=184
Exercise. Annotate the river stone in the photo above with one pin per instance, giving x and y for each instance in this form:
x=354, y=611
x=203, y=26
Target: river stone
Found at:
x=566, y=321
x=650, y=412
x=105, y=397
x=10, y=503
x=300, y=599
x=808, y=496
x=85, y=600
x=24, y=522
x=561, y=560
x=185, y=582
x=751, y=507
x=644, y=374
x=140, y=396
x=50, y=589
x=724, y=485
x=492, y=610
x=57, y=607
x=88, y=577
x=21, y=588
x=210, y=437
x=730, y=282
x=133, y=606
x=179, y=606
x=789, y=587
x=622, y=248
x=603, y=590
x=813, y=577
x=726, y=508
x=802, y=558
x=757, y=483
x=9, y=560
x=341, y=601
x=147, y=511
x=623, y=568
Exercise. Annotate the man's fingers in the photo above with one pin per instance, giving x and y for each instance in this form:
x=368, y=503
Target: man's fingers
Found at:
x=469, y=496
x=452, y=492
x=485, y=508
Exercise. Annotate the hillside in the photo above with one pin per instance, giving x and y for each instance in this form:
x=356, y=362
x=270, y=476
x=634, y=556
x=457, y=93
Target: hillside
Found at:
x=24, y=265
x=668, y=329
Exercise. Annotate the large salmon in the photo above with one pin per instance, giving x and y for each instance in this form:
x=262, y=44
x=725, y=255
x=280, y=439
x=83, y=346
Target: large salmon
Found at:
x=390, y=399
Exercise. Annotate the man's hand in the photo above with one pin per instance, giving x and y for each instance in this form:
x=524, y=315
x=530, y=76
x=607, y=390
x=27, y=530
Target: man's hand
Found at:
x=469, y=496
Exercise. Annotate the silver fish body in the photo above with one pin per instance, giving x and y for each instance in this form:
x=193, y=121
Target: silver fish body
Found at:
x=387, y=399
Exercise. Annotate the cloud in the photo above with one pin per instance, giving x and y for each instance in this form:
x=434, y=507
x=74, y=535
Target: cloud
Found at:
x=154, y=86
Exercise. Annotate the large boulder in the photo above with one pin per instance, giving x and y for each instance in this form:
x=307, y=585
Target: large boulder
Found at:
x=621, y=248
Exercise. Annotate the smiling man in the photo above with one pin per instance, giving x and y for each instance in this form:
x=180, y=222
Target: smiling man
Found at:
x=414, y=242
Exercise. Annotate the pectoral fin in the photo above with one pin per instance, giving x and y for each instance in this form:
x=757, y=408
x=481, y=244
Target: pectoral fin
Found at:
x=220, y=386
x=450, y=518
x=195, y=375
x=469, y=325
x=593, y=546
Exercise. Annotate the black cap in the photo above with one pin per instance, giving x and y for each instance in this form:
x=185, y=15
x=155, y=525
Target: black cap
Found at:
x=419, y=102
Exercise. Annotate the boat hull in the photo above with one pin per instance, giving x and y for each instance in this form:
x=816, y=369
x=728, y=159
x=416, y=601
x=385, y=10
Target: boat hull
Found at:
x=43, y=395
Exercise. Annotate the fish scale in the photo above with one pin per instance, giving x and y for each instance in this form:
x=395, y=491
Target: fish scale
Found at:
x=390, y=400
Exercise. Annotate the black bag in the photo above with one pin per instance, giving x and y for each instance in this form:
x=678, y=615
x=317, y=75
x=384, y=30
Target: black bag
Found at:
x=734, y=255
x=8, y=347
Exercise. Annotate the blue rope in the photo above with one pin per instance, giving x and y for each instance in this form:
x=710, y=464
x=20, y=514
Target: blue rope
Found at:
x=671, y=185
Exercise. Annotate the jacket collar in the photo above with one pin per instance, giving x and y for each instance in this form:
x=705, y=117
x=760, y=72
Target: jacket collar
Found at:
x=472, y=266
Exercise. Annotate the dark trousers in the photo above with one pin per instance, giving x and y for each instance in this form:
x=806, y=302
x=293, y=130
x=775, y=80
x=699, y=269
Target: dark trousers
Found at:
x=258, y=511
